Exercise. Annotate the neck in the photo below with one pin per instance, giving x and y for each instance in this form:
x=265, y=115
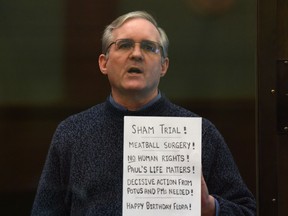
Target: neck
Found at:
x=134, y=102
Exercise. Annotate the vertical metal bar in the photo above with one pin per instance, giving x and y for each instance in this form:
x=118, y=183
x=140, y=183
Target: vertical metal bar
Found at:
x=267, y=195
x=282, y=96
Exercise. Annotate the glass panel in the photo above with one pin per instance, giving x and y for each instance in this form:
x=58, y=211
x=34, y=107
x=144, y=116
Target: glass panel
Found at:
x=31, y=53
x=212, y=46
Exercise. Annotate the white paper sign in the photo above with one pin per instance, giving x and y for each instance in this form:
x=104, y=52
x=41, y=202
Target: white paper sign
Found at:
x=162, y=166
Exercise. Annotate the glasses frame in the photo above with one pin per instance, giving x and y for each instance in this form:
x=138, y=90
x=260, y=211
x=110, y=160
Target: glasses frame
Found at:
x=158, y=45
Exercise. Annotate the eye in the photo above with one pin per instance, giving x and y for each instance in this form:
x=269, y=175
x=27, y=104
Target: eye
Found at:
x=149, y=46
x=124, y=44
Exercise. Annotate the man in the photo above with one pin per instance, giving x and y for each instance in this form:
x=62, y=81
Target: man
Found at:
x=83, y=170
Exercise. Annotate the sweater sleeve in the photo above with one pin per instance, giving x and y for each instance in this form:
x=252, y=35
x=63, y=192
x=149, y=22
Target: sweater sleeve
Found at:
x=51, y=192
x=223, y=178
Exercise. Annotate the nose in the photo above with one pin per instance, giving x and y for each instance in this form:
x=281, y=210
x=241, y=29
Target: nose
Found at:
x=137, y=53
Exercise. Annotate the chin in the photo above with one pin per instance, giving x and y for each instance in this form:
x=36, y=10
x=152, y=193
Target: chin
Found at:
x=135, y=86
x=135, y=89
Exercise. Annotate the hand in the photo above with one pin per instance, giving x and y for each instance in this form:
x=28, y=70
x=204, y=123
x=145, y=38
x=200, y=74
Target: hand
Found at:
x=207, y=201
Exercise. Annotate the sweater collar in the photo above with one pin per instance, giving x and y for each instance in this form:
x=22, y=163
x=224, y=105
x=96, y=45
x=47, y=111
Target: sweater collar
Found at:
x=157, y=108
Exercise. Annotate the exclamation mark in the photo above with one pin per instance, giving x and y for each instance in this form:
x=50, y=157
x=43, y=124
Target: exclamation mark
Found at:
x=185, y=132
x=193, y=145
x=190, y=206
x=193, y=169
x=191, y=192
x=187, y=158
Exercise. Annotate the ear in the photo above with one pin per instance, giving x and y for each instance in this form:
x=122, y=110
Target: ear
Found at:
x=102, y=61
x=164, y=66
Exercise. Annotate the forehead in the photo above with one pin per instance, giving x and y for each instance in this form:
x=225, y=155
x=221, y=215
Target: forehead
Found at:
x=137, y=29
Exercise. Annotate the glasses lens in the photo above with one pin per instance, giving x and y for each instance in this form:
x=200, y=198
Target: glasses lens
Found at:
x=125, y=44
x=150, y=46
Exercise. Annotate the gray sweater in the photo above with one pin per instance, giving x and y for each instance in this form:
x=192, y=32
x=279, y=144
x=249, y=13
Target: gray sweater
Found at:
x=83, y=170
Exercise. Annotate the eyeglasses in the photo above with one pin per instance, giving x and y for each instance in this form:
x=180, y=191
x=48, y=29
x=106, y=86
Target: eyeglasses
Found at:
x=129, y=44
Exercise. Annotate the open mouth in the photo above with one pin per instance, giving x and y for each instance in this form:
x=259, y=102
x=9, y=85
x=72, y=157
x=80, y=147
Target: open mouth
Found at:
x=134, y=70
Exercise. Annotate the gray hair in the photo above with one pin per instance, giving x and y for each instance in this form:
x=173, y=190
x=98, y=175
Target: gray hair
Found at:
x=107, y=37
